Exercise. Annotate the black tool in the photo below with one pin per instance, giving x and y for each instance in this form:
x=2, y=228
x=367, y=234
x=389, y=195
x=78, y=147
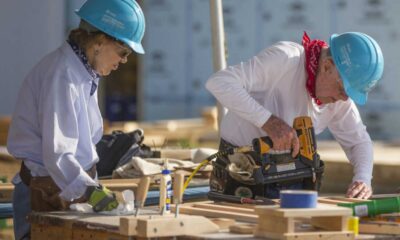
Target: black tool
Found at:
x=219, y=197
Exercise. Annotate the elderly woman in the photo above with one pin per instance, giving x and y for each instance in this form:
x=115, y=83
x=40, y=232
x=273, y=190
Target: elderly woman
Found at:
x=57, y=120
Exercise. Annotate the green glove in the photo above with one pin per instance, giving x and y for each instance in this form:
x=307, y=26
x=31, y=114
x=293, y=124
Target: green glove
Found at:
x=101, y=198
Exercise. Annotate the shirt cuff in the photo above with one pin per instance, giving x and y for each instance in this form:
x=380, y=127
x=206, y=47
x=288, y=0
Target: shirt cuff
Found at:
x=364, y=179
x=78, y=187
x=262, y=118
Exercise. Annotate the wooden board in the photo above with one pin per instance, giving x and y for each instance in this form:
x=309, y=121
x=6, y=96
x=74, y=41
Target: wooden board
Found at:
x=242, y=228
x=180, y=226
x=6, y=192
x=208, y=209
x=390, y=228
x=71, y=225
x=322, y=210
x=325, y=222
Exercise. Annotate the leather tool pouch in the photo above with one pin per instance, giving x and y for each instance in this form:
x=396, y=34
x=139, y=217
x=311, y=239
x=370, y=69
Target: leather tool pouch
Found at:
x=44, y=192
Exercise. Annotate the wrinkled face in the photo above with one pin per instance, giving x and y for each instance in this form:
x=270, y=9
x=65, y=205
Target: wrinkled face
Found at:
x=108, y=55
x=329, y=86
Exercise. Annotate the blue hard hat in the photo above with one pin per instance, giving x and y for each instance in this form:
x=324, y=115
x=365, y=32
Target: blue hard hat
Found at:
x=359, y=60
x=121, y=19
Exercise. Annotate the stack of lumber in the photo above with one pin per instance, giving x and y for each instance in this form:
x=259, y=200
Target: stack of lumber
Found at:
x=180, y=131
x=328, y=217
x=325, y=221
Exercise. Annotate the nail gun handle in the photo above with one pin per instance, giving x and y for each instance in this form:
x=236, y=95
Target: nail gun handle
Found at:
x=262, y=145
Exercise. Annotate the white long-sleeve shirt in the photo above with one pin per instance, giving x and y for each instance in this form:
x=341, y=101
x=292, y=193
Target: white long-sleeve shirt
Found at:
x=274, y=82
x=56, y=123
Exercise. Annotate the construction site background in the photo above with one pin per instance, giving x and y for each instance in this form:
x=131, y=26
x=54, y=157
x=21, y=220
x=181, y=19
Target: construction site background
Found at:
x=168, y=81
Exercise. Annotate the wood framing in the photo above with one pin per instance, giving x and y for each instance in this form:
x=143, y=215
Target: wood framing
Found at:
x=281, y=223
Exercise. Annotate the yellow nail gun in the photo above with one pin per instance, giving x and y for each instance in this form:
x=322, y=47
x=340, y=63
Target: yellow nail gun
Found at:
x=271, y=168
x=282, y=167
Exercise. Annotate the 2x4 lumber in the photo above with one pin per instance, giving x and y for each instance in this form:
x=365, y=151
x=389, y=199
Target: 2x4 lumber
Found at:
x=321, y=211
x=279, y=225
x=178, y=182
x=217, y=213
x=182, y=154
x=120, y=184
x=391, y=228
x=349, y=200
x=167, y=226
x=44, y=231
x=345, y=235
x=142, y=190
x=94, y=234
x=128, y=225
x=224, y=208
x=248, y=206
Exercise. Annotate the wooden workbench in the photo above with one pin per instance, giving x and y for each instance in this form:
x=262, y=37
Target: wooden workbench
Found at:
x=79, y=226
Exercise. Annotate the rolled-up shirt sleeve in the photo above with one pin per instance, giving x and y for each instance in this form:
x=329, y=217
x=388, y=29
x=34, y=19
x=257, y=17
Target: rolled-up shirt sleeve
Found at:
x=59, y=118
x=349, y=130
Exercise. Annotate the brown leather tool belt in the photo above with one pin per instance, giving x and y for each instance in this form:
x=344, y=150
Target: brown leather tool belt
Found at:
x=45, y=193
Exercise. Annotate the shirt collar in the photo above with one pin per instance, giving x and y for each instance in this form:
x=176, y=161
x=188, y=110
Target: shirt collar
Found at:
x=82, y=56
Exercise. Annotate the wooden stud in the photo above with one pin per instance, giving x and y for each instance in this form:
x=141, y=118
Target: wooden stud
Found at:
x=224, y=208
x=276, y=224
x=179, y=179
x=142, y=190
x=216, y=213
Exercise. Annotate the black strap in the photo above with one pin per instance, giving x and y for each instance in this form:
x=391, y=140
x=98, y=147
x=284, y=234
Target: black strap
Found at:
x=25, y=174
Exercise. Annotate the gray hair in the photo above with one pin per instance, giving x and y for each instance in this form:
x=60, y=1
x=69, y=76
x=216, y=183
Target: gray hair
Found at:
x=87, y=27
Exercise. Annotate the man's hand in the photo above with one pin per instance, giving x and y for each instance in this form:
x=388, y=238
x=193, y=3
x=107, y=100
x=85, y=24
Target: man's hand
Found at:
x=360, y=190
x=101, y=198
x=282, y=135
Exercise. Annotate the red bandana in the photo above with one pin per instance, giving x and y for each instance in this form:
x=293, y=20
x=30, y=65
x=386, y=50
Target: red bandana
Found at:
x=313, y=50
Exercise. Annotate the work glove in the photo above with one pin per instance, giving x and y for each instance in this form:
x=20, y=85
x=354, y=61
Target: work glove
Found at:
x=101, y=198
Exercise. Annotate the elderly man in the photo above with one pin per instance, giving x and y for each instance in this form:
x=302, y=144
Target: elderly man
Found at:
x=287, y=80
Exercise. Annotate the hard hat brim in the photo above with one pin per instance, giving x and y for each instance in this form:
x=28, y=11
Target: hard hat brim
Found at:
x=137, y=47
x=358, y=97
